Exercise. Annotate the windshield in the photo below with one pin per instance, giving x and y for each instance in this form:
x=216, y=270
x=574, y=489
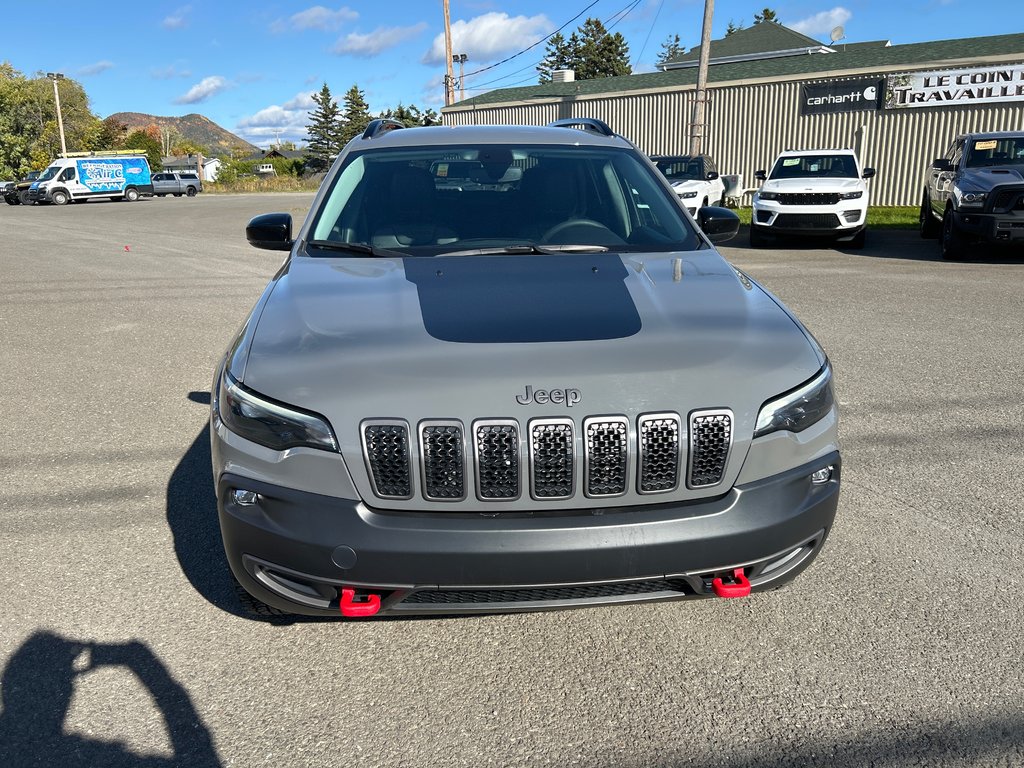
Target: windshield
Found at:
x=49, y=173
x=986, y=152
x=682, y=169
x=433, y=201
x=815, y=166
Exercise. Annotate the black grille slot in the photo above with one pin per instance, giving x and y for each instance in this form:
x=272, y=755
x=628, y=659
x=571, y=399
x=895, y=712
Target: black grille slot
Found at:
x=537, y=594
x=808, y=198
x=497, y=460
x=659, y=453
x=386, y=449
x=807, y=220
x=710, y=440
x=1008, y=200
x=552, y=458
x=444, y=466
x=607, y=456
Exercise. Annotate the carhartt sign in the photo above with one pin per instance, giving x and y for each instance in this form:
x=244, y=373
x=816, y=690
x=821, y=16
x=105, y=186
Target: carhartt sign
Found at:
x=951, y=87
x=840, y=96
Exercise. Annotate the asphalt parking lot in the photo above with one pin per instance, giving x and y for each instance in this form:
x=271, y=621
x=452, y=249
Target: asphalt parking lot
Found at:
x=122, y=644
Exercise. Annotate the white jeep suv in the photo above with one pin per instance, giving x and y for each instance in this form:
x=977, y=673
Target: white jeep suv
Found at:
x=820, y=193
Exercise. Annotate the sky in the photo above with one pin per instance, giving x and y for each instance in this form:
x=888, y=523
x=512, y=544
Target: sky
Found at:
x=251, y=66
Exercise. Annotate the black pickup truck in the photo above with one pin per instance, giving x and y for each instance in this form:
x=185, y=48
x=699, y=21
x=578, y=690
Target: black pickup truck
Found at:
x=974, y=194
x=16, y=192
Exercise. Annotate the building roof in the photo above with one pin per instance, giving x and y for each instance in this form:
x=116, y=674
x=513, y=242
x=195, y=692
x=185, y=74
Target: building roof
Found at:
x=759, y=39
x=855, y=57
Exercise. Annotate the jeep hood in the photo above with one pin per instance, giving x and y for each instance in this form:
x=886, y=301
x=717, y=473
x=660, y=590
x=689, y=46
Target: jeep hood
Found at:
x=813, y=185
x=461, y=337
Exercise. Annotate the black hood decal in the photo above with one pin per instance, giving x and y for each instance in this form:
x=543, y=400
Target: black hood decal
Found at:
x=524, y=299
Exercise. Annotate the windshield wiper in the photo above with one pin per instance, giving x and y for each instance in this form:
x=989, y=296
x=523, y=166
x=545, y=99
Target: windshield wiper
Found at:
x=370, y=250
x=527, y=250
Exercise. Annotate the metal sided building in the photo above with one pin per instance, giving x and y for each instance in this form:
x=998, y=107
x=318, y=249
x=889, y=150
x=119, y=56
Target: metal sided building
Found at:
x=771, y=88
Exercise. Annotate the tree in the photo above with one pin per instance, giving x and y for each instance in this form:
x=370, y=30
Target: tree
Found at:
x=187, y=147
x=356, y=115
x=558, y=55
x=112, y=134
x=670, y=49
x=146, y=143
x=411, y=116
x=732, y=29
x=766, y=15
x=323, y=131
x=600, y=53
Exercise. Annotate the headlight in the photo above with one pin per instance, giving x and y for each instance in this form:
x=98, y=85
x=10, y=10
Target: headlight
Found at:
x=851, y=195
x=768, y=195
x=687, y=195
x=268, y=423
x=973, y=198
x=797, y=410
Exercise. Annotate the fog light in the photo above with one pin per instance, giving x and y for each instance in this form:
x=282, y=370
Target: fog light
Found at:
x=822, y=475
x=244, y=498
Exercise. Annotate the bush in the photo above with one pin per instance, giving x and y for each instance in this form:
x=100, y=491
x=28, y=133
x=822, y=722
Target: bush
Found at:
x=263, y=184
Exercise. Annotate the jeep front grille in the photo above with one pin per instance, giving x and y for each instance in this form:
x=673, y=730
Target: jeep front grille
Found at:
x=552, y=458
x=658, y=435
x=386, y=449
x=807, y=221
x=710, y=441
x=607, y=455
x=500, y=458
x=497, y=459
x=444, y=465
x=808, y=198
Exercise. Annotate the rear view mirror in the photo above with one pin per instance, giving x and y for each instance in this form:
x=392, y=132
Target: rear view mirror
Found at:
x=272, y=231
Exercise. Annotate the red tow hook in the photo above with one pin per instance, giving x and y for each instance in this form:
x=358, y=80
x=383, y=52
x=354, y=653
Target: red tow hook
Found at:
x=739, y=588
x=350, y=608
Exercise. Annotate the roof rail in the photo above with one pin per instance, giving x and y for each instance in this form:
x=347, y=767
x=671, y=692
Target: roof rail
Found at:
x=106, y=153
x=591, y=124
x=381, y=126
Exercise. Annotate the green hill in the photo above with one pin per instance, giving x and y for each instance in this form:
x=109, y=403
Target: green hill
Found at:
x=193, y=127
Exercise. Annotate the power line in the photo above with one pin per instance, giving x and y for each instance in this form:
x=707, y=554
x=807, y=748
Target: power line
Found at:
x=534, y=45
x=646, y=39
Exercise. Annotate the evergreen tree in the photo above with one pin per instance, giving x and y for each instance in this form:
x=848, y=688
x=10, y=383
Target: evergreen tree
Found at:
x=355, y=117
x=323, y=131
x=670, y=49
x=766, y=15
x=733, y=28
x=600, y=53
x=557, y=55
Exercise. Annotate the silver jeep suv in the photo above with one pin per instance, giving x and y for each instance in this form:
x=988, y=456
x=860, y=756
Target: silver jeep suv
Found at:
x=543, y=389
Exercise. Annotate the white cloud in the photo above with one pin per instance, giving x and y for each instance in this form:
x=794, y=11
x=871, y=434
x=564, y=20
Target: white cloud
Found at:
x=95, y=69
x=286, y=121
x=169, y=72
x=374, y=42
x=488, y=37
x=203, y=90
x=317, y=17
x=820, y=24
x=177, y=19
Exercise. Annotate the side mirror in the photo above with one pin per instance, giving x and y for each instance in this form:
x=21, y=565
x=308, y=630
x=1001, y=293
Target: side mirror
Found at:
x=942, y=165
x=712, y=175
x=760, y=175
x=719, y=224
x=868, y=173
x=272, y=231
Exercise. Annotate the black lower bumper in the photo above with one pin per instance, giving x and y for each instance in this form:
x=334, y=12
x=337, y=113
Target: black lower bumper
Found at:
x=295, y=551
x=992, y=227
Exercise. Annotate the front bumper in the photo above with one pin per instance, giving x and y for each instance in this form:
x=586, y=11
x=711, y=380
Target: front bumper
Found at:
x=812, y=221
x=993, y=226
x=295, y=550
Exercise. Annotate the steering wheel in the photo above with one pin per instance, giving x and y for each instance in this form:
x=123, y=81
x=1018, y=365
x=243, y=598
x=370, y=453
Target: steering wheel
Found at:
x=593, y=228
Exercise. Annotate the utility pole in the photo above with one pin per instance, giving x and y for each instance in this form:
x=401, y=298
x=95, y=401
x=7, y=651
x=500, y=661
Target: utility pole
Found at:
x=449, y=89
x=699, y=121
x=55, y=76
x=461, y=58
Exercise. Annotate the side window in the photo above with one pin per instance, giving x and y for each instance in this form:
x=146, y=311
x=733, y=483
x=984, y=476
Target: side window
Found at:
x=957, y=153
x=68, y=175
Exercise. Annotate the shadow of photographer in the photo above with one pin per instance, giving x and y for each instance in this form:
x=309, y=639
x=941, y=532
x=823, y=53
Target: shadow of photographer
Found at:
x=39, y=682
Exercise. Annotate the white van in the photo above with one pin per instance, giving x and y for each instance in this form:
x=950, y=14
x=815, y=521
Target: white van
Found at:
x=83, y=176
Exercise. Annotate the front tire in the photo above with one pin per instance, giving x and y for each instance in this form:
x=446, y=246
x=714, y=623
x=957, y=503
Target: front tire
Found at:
x=24, y=198
x=131, y=194
x=929, y=227
x=953, y=242
x=858, y=240
x=60, y=197
x=757, y=238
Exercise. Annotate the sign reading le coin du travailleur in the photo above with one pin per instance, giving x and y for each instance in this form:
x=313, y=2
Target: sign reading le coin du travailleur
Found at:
x=952, y=87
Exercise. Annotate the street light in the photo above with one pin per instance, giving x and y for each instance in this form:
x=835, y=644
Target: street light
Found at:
x=460, y=58
x=55, y=76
